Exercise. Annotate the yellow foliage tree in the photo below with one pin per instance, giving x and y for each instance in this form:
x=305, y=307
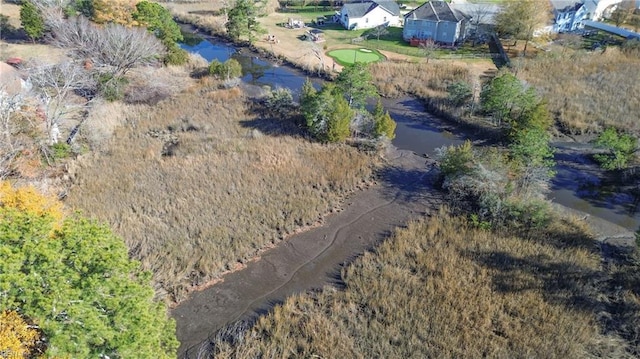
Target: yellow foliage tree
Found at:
x=29, y=200
x=16, y=338
x=115, y=11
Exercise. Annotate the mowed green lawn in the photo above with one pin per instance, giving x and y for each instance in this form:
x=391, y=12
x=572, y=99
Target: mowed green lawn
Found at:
x=351, y=56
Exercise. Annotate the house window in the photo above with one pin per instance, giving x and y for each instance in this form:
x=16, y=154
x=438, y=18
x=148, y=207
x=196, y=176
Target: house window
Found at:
x=366, y=20
x=385, y=19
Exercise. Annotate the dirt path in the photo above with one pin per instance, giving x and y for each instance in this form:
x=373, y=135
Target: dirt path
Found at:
x=311, y=259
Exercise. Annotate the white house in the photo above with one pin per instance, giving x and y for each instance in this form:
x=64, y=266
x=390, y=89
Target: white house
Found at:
x=569, y=15
x=370, y=14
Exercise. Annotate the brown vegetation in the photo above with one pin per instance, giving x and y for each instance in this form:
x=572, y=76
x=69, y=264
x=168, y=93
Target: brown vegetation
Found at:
x=195, y=186
x=588, y=91
x=396, y=78
x=441, y=288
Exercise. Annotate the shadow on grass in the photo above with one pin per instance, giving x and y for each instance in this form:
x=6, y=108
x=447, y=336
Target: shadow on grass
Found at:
x=560, y=282
x=273, y=124
x=611, y=292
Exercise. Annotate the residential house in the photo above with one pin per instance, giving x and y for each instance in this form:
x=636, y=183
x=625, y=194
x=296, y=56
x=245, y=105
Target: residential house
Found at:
x=570, y=15
x=437, y=21
x=369, y=14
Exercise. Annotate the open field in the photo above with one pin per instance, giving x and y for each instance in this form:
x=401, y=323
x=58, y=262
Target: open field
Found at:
x=199, y=184
x=442, y=289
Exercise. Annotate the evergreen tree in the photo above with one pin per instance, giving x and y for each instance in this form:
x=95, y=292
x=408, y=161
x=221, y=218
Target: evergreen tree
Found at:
x=31, y=20
x=383, y=124
x=307, y=95
x=159, y=21
x=356, y=83
x=506, y=98
x=74, y=279
x=242, y=20
x=328, y=115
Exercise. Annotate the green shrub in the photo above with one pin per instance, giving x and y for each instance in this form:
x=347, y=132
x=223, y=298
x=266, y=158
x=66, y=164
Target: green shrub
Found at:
x=110, y=87
x=227, y=70
x=176, y=56
x=60, y=150
x=456, y=160
x=31, y=20
x=621, y=149
x=459, y=93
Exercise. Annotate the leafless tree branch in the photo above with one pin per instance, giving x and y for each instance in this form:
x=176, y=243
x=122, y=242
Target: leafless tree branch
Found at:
x=56, y=86
x=114, y=49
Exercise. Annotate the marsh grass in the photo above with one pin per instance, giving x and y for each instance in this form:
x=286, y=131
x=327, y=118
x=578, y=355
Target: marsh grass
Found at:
x=441, y=289
x=195, y=192
x=425, y=81
x=588, y=91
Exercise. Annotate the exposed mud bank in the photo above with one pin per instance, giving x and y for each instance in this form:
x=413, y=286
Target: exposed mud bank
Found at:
x=312, y=259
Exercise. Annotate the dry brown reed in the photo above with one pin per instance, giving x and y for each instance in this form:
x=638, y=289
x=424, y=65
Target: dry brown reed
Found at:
x=422, y=80
x=194, y=191
x=588, y=91
x=442, y=289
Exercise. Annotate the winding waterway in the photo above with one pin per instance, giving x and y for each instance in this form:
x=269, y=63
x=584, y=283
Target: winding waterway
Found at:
x=313, y=258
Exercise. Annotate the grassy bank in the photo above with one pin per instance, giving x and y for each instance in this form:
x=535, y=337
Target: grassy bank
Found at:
x=196, y=186
x=440, y=288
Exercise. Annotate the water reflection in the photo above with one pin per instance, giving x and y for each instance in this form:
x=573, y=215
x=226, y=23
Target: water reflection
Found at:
x=255, y=71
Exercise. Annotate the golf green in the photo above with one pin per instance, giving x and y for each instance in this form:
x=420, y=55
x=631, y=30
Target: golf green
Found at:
x=350, y=56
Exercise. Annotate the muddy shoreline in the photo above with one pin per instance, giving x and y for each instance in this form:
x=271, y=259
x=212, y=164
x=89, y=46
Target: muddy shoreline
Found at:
x=312, y=259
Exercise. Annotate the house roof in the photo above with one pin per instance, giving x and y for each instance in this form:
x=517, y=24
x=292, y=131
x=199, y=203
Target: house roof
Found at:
x=566, y=5
x=391, y=6
x=354, y=10
x=435, y=11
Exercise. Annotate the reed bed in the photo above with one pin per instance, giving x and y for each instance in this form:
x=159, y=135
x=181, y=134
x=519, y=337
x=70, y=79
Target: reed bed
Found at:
x=588, y=91
x=195, y=189
x=441, y=288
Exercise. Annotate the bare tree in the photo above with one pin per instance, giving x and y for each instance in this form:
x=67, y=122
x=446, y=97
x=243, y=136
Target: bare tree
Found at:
x=522, y=18
x=480, y=13
x=10, y=106
x=113, y=49
x=428, y=48
x=55, y=86
x=619, y=15
x=571, y=41
x=316, y=51
x=379, y=31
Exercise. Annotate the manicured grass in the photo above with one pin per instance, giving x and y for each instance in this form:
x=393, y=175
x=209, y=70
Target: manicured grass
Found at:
x=351, y=56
